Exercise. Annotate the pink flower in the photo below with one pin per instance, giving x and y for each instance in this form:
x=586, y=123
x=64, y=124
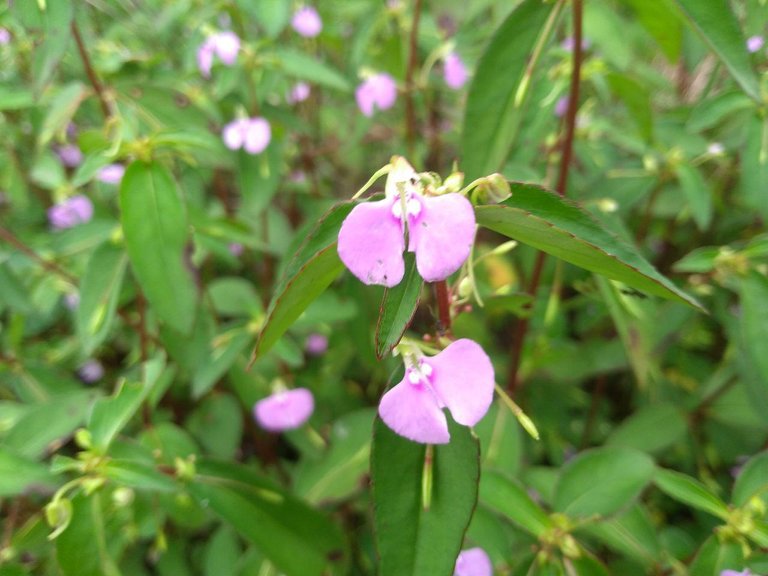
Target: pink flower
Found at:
x=5, y=36
x=70, y=155
x=111, y=174
x=473, y=562
x=561, y=107
x=284, y=410
x=441, y=230
x=459, y=378
x=316, y=344
x=71, y=212
x=744, y=572
x=754, y=43
x=570, y=43
x=225, y=45
x=377, y=91
x=91, y=371
x=299, y=93
x=236, y=249
x=454, y=72
x=251, y=134
x=306, y=21
x=71, y=300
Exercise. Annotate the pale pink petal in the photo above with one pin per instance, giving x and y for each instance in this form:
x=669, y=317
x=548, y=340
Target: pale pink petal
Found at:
x=284, y=410
x=754, y=43
x=205, y=58
x=462, y=375
x=111, y=174
x=385, y=90
x=455, y=73
x=371, y=243
x=306, y=21
x=227, y=45
x=257, y=135
x=441, y=235
x=412, y=411
x=473, y=562
x=364, y=94
x=82, y=208
x=234, y=133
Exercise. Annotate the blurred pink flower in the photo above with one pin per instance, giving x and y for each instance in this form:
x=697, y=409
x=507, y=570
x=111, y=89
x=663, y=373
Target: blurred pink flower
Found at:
x=299, y=93
x=111, y=174
x=561, y=107
x=251, y=134
x=316, y=344
x=71, y=212
x=754, y=43
x=225, y=45
x=71, y=300
x=473, y=562
x=454, y=71
x=236, y=249
x=441, y=230
x=459, y=378
x=284, y=410
x=744, y=572
x=569, y=43
x=5, y=36
x=70, y=155
x=306, y=21
x=91, y=371
x=377, y=91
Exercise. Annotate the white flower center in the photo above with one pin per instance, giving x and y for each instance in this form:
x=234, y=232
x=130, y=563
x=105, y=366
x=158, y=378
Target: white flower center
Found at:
x=412, y=206
x=420, y=374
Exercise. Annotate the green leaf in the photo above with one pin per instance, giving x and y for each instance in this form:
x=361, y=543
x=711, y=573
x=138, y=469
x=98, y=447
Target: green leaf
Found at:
x=259, y=177
x=661, y=21
x=398, y=307
x=752, y=480
x=61, y=110
x=139, y=475
x=495, y=101
x=411, y=540
x=55, y=18
x=753, y=331
x=305, y=67
x=99, y=294
x=110, y=415
x=715, y=556
x=297, y=539
x=633, y=533
x=338, y=473
x=651, y=429
x=637, y=99
x=17, y=474
x=697, y=193
x=544, y=220
x=15, y=98
x=717, y=24
x=154, y=222
x=753, y=183
x=12, y=292
x=82, y=550
x=689, y=491
x=712, y=111
x=510, y=498
x=272, y=15
x=602, y=481
x=311, y=270
x=232, y=296
x=227, y=348
x=217, y=423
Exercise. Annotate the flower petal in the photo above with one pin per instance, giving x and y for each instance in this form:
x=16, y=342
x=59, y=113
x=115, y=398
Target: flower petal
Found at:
x=371, y=244
x=234, y=133
x=473, y=562
x=411, y=410
x=462, y=375
x=284, y=410
x=442, y=235
x=257, y=135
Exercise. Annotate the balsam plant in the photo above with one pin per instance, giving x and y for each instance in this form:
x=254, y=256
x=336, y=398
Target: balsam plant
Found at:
x=536, y=347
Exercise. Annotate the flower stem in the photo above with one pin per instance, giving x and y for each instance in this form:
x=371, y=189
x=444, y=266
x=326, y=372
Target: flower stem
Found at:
x=426, y=478
x=410, y=86
x=90, y=72
x=443, y=307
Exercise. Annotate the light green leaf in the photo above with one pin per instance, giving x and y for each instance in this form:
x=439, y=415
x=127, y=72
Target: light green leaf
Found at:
x=715, y=556
x=752, y=480
x=632, y=533
x=110, y=415
x=17, y=474
x=60, y=111
x=306, y=67
x=217, y=423
x=602, y=481
x=697, y=192
x=650, y=429
x=510, y=498
x=412, y=540
x=689, y=491
x=154, y=222
x=544, y=220
x=82, y=549
x=661, y=21
x=753, y=330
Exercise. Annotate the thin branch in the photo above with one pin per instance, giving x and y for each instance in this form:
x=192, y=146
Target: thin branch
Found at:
x=443, y=298
x=410, y=111
x=13, y=240
x=90, y=72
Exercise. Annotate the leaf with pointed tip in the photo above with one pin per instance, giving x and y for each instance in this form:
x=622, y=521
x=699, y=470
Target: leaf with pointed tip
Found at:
x=544, y=220
x=398, y=307
x=690, y=491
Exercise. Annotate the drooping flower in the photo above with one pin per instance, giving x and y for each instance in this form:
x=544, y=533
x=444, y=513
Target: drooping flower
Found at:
x=251, y=134
x=473, y=562
x=111, y=174
x=91, y=371
x=306, y=21
x=71, y=212
x=459, y=378
x=377, y=91
x=316, y=344
x=70, y=155
x=754, y=43
x=298, y=93
x=284, y=410
x=454, y=71
x=440, y=229
x=225, y=45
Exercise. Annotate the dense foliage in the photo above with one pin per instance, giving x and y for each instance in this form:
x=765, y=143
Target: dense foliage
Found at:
x=192, y=356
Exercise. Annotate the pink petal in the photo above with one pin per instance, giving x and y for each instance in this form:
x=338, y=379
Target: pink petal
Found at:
x=462, y=375
x=111, y=174
x=257, y=135
x=473, y=562
x=284, y=410
x=371, y=244
x=205, y=58
x=442, y=235
x=455, y=73
x=306, y=21
x=234, y=133
x=385, y=91
x=364, y=94
x=412, y=411
x=227, y=45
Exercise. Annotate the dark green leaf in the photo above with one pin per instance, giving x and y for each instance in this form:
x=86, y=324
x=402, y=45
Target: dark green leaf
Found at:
x=139, y=475
x=697, y=193
x=306, y=67
x=311, y=270
x=718, y=25
x=110, y=415
x=661, y=20
x=637, y=99
x=689, y=491
x=753, y=330
x=602, y=481
x=650, y=429
x=227, y=347
x=411, y=540
x=60, y=111
x=496, y=100
x=752, y=480
x=561, y=228
x=154, y=222
x=715, y=556
x=82, y=550
x=511, y=499
x=19, y=475
x=398, y=307
x=217, y=423
x=633, y=533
